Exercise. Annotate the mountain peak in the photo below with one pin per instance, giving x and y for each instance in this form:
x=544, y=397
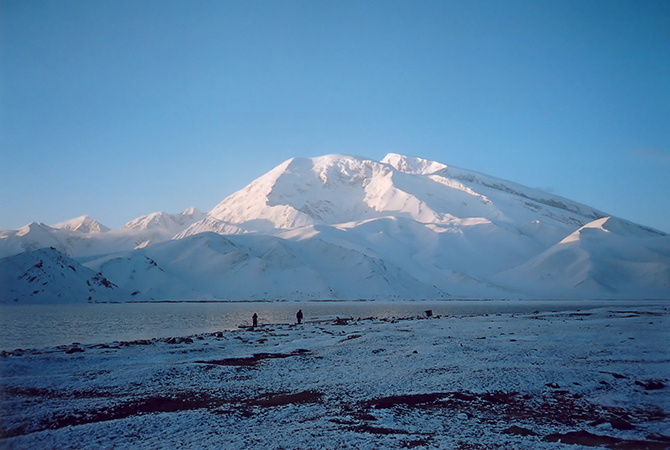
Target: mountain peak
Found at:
x=616, y=226
x=163, y=221
x=412, y=164
x=191, y=212
x=33, y=228
x=347, y=227
x=336, y=188
x=83, y=224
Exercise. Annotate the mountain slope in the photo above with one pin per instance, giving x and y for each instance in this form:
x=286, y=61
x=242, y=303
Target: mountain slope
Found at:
x=605, y=257
x=345, y=227
x=246, y=267
x=48, y=276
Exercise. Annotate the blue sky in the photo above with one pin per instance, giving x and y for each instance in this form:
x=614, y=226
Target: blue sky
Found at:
x=117, y=109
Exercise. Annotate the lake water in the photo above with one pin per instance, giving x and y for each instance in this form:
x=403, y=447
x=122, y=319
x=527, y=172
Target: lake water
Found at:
x=37, y=326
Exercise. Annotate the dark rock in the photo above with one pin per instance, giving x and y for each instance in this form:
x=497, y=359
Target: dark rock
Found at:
x=658, y=437
x=621, y=424
x=519, y=431
x=412, y=400
x=71, y=350
x=252, y=360
x=179, y=340
x=582, y=437
x=650, y=385
x=136, y=342
x=586, y=439
x=365, y=428
x=463, y=396
x=616, y=422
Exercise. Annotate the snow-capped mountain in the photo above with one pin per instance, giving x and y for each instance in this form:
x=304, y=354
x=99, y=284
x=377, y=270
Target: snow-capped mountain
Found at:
x=85, y=237
x=48, y=276
x=160, y=226
x=607, y=255
x=84, y=224
x=344, y=227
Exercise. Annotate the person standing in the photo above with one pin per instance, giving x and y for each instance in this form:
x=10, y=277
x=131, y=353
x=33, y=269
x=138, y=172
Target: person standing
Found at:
x=299, y=316
x=254, y=319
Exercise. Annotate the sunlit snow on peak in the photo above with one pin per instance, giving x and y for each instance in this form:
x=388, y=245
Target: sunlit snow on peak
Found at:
x=346, y=227
x=84, y=224
x=412, y=164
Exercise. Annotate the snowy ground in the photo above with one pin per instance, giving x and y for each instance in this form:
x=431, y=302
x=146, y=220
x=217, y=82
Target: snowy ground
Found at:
x=589, y=377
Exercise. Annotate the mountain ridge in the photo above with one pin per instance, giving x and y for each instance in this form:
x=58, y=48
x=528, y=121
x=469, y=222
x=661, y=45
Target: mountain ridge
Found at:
x=349, y=227
x=47, y=276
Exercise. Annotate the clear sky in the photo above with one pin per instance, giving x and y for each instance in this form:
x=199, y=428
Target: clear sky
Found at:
x=117, y=109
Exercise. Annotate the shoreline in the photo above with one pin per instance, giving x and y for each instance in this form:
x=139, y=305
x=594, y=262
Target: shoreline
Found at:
x=40, y=326
x=499, y=380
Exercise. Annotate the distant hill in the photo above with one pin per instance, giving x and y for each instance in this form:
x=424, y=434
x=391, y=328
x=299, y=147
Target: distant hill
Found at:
x=48, y=276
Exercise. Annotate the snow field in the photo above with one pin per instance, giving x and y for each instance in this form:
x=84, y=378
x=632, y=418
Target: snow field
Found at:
x=440, y=382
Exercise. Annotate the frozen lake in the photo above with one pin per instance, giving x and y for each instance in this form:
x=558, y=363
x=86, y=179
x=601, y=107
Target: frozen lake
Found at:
x=36, y=326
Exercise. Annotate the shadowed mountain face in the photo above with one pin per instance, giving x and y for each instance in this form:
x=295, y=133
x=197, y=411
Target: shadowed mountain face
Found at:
x=48, y=276
x=342, y=227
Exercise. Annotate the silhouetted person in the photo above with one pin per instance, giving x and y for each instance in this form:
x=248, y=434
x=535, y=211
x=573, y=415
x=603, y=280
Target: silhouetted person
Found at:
x=299, y=316
x=255, y=320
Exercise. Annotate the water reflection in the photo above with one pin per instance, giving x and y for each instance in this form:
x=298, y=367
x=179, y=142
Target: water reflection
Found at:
x=50, y=325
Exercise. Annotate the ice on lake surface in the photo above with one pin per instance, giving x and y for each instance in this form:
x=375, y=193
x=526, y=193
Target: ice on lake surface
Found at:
x=36, y=326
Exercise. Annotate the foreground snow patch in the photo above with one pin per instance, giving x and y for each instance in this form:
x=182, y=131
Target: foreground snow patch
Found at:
x=589, y=377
